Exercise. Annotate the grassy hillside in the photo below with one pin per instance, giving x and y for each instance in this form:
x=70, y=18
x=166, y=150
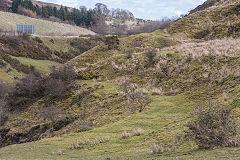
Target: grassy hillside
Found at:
x=182, y=75
x=161, y=121
x=9, y=21
x=174, y=73
x=218, y=21
x=40, y=65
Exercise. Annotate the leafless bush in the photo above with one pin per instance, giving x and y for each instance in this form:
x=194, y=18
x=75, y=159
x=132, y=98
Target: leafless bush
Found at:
x=137, y=132
x=136, y=96
x=29, y=86
x=26, y=12
x=64, y=72
x=213, y=126
x=55, y=88
x=151, y=56
x=119, y=30
x=51, y=112
x=100, y=26
x=4, y=90
x=125, y=135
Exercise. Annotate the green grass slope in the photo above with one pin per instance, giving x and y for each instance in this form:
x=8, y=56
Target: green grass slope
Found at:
x=9, y=21
x=40, y=65
x=162, y=120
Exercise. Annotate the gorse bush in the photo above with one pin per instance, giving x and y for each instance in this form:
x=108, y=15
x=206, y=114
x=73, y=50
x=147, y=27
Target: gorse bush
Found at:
x=86, y=75
x=214, y=126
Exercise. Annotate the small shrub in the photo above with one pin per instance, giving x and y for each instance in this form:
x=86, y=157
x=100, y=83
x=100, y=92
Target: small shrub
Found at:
x=137, y=132
x=37, y=39
x=2, y=63
x=52, y=41
x=213, y=126
x=136, y=96
x=151, y=56
x=64, y=72
x=201, y=34
x=112, y=42
x=4, y=90
x=156, y=149
x=54, y=88
x=163, y=147
x=125, y=135
x=86, y=75
x=51, y=112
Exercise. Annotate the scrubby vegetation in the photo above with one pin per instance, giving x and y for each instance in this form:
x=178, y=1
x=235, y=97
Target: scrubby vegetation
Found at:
x=214, y=126
x=126, y=97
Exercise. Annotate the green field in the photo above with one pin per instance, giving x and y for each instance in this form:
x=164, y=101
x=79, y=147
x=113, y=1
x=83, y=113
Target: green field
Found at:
x=9, y=21
x=162, y=120
x=40, y=65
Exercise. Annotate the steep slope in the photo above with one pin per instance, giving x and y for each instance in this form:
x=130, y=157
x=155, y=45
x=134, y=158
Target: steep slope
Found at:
x=9, y=21
x=218, y=21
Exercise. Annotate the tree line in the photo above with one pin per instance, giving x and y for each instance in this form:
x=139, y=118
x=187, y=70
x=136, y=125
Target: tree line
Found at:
x=80, y=17
x=83, y=16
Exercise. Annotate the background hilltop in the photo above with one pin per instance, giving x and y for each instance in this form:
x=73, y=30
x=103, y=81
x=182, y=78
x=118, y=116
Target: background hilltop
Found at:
x=9, y=23
x=218, y=21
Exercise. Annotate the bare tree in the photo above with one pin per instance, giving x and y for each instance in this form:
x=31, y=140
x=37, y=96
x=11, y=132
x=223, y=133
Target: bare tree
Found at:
x=100, y=26
x=139, y=100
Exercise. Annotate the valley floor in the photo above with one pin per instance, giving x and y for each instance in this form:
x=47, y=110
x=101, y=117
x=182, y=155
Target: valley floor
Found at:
x=162, y=120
